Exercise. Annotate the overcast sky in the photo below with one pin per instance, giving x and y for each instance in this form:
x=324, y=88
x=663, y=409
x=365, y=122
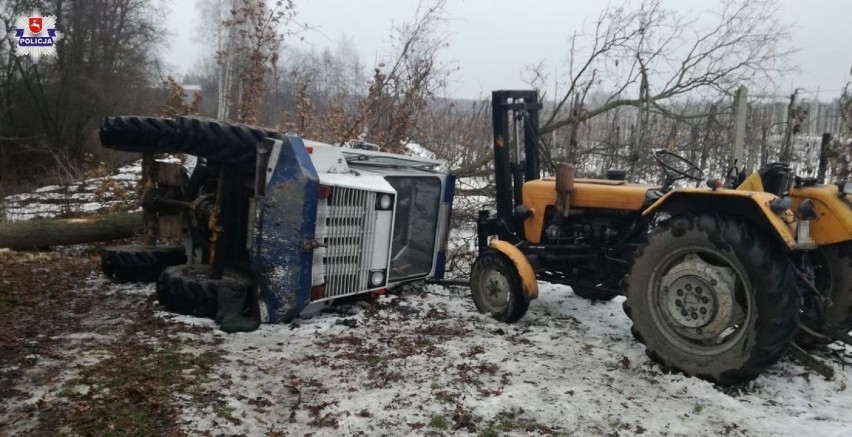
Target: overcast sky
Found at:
x=492, y=40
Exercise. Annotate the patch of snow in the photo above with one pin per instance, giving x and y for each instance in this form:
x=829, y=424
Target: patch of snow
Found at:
x=48, y=188
x=415, y=149
x=91, y=195
x=569, y=365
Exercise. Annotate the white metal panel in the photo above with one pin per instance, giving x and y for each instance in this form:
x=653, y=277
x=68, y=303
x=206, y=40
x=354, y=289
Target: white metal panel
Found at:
x=361, y=181
x=381, y=240
x=349, y=223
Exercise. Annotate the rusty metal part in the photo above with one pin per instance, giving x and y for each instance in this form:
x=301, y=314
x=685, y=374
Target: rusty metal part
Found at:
x=150, y=223
x=169, y=174
x=564, y=187
x=159, y=184
x=215, y=237
x=811, y=362
x=814, y=333
x=217, y=230
x=170, y=227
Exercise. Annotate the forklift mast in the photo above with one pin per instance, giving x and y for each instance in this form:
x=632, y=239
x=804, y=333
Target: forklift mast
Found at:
x=511, y=169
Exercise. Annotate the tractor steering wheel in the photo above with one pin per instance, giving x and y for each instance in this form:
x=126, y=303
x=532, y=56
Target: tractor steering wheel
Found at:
x=676, y=167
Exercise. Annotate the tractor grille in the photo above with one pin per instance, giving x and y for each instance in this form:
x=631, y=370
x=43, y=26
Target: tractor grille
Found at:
x=350, y=228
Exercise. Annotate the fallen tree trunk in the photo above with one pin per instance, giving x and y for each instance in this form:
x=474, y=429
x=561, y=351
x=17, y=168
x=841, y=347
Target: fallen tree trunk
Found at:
x=56, y=232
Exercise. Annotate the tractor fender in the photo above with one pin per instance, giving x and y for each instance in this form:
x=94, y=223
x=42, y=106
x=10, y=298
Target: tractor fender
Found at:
x=525, y=270
x=749, y=205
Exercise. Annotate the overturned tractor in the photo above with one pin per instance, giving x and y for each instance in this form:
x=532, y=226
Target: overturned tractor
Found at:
x=269, y=226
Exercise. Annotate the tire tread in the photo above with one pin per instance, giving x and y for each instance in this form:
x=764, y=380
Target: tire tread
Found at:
x=777, y=305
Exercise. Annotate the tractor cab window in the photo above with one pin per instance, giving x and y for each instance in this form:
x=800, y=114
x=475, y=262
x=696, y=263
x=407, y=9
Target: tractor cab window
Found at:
x=415, y=225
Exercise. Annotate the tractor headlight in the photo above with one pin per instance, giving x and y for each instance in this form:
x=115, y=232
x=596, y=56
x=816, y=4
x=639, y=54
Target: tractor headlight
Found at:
x=377, y=278
x=384, y=202
x=845, y=187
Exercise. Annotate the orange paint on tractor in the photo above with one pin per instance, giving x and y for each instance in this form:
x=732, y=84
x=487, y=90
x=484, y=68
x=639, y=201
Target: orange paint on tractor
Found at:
x=834, y=218
x=588, y=193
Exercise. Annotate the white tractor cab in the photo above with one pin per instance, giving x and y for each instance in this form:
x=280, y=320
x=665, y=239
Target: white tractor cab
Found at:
x=329, y=222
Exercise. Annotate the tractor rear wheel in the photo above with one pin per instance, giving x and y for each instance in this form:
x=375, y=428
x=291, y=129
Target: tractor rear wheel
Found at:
x=213, y=139
x=188, y=289
x=712, y=297
x=139, y=134
x=206, y=138
x=137, y=263
x=496, y=287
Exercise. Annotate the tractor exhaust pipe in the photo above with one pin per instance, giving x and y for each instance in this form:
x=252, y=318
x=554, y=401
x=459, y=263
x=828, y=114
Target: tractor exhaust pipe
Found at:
x=564, y=187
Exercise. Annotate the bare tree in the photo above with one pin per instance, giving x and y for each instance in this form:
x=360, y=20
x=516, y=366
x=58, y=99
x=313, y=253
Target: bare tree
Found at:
x=663, y=56
x=176, y=100
x=840, y=150
x=248, y=35
x=108, y=62
x=402, y=87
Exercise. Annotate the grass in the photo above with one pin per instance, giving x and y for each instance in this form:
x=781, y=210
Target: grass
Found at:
x=489, y=432
x=374, y=361
x=224, y=411
x=438, y=422
x=133, y=391
x=698, y=408
x=514, y=420
x=446, y=396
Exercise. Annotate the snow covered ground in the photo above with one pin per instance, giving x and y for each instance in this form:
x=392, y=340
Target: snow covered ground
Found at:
x=95, y=195
x=424, y=361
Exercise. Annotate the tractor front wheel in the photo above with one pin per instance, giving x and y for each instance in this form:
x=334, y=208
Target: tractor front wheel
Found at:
x=496, y=287
x=188, y=289
x=712, y=297
x=137, y=263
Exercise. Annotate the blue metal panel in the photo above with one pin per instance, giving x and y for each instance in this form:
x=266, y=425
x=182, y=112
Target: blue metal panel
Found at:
x=447, y=202
x=449, y=189
x=440, y=265
x=285, y=220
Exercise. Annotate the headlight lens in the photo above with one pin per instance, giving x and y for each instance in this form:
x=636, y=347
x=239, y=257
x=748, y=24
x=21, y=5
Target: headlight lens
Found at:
x=377, y=278
x=385, y=201
x=846, y=187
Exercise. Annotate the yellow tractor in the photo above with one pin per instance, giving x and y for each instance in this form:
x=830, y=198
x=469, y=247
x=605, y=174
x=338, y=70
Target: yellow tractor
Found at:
x=719, y=281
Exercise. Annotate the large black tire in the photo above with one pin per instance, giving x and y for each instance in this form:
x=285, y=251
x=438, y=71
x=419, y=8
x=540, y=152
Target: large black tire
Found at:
x=833, y=269
x=212, y=139
x=496, y=287
x=205, y=138
x=139, y=134
x=139, y=263
x=188, y=289
x=745, y=321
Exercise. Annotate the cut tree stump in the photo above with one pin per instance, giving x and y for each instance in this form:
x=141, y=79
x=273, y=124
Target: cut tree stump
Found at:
x=33, y=234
